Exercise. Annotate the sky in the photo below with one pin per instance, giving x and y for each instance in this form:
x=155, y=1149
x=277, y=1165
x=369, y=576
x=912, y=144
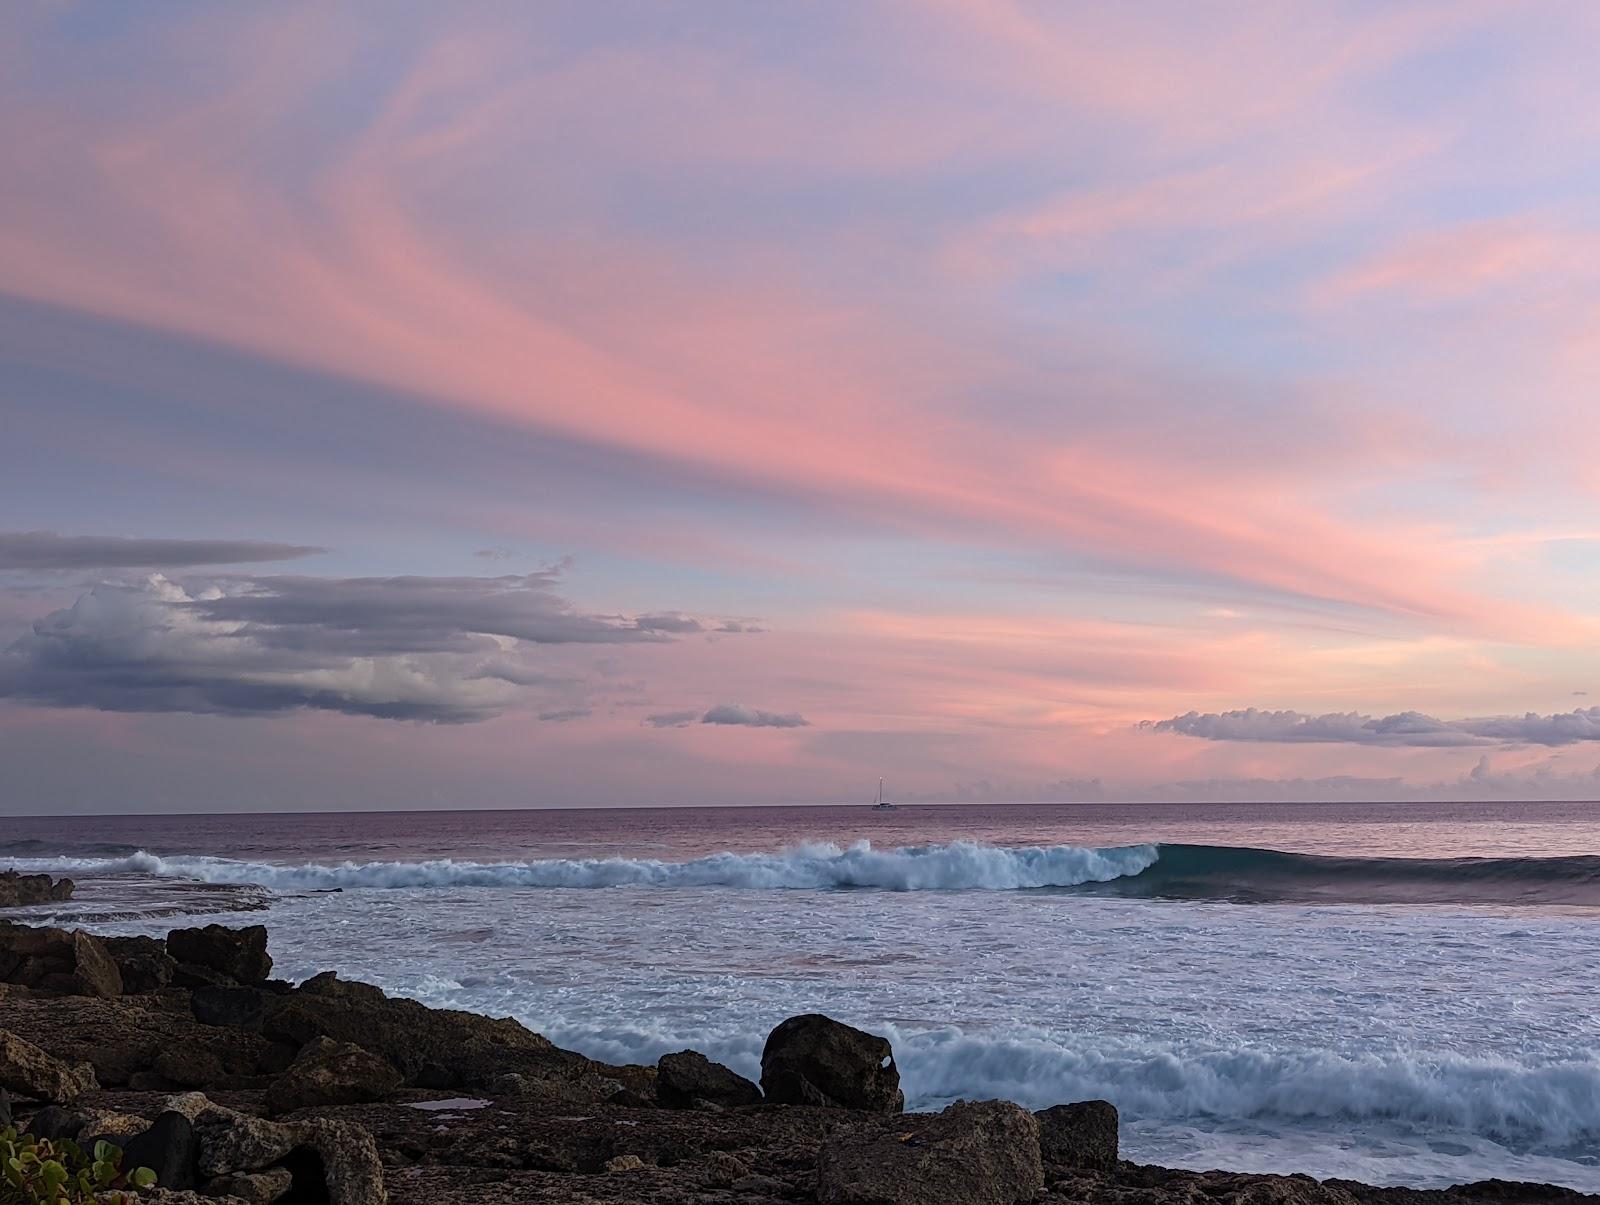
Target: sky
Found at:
x=508, y=405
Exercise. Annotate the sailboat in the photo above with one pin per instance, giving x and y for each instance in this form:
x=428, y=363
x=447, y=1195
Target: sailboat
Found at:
x=881, y=804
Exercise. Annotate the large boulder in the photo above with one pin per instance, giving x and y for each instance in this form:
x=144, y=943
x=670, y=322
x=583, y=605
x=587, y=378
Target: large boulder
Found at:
x=333, y=1161
x=58, y=960
x=815, y=1060
x=219, y=954
x=22, y=890
x=29, y=1071
x=974, y=1153
x=143, y=962
x=1078, y=1136
x=332, y=1073
x=688, y=1078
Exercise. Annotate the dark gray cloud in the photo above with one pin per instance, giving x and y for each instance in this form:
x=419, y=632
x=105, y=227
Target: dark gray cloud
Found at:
x=1406, y=728
x=47, y=550
x=450, y=650
x=752, y=717
x=731, y=714
x=384, y=615
x=673, y=621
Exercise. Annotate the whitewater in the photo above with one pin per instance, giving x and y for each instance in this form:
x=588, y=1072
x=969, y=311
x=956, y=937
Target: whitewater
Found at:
x=1321, y=1027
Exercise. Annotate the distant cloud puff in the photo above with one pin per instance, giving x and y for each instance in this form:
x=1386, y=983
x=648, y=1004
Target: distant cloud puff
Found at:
x=47, y=550
x=751, y=717
x=669, y=622
x=729, y=714
x=1406, y=728
x=441, y=649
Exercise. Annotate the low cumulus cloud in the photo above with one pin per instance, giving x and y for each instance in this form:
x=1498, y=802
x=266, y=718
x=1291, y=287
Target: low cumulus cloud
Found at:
x=47, y=550
x=1407, y=728
x=752, y=717
x=728, y=714
x=441, y=649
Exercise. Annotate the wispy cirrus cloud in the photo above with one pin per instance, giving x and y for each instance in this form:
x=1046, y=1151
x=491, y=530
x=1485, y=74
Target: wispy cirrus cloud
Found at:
x=1406, y=728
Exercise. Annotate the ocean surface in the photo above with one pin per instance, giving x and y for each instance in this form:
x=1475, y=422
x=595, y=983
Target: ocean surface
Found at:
x=1402, y=994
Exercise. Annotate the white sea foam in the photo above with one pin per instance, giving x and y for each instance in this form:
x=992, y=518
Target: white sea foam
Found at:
x=1554, y=1105
x=959, y=865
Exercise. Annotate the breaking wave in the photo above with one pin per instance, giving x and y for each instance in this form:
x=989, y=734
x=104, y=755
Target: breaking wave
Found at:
x=958, y=866
x=1553, y=1106
x=1186, y=872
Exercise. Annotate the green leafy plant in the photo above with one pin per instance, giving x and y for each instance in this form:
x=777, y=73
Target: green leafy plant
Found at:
x=45, y=1171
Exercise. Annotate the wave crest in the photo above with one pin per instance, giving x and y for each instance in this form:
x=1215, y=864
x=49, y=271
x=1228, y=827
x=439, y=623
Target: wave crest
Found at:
x=957, y=866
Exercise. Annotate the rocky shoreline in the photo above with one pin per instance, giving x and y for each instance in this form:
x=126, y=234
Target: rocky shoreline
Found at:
x=236, y=1088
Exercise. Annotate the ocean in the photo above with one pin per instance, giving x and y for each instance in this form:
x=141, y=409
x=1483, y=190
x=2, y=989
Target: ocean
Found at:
x=1401, y=994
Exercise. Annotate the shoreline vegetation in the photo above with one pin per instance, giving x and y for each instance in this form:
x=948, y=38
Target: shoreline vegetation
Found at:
x=234, y=1088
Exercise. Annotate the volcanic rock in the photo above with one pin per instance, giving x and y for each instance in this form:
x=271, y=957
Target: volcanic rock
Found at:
x=52, y=1122
x=1083, y=1135
x=815, y=1060
x=217, y=953
x=332, y=1073
x=29, y=1071
x=189, y=1066
x=689, y=1078
x=21, y=890
x=335, y=1161
x=235, y=1007
x=169, y=1148
x=252, y=1188
x=431, y=1047
x=58, y=960
x=124, y=1038
x=974, y=1153
x=143, y=962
